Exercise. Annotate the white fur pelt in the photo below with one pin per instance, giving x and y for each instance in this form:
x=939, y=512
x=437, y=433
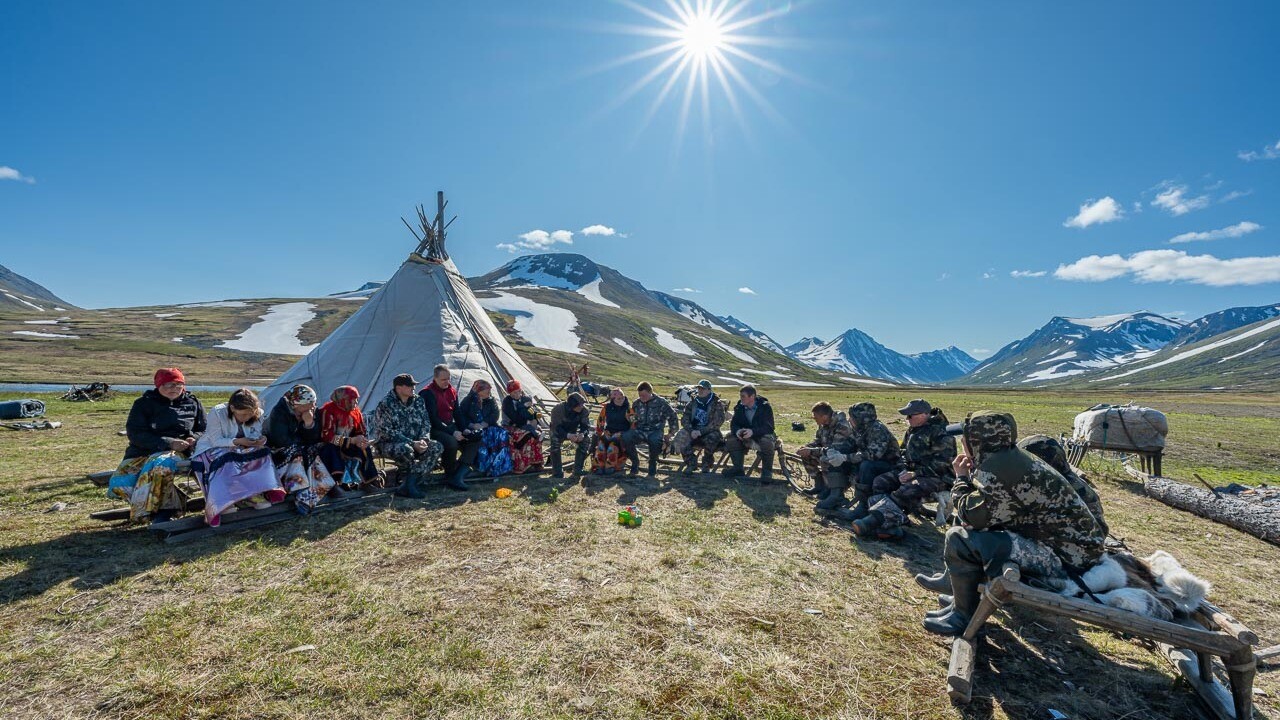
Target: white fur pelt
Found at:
x=1156, y=586
x=944, y=507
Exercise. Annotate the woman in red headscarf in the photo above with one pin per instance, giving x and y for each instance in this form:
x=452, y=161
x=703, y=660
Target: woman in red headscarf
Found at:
x=347, y=452
x=163, y=427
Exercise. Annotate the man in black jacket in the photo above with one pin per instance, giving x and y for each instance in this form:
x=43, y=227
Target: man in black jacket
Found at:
x=752, y=426
x=570, y=421
x=441, y=398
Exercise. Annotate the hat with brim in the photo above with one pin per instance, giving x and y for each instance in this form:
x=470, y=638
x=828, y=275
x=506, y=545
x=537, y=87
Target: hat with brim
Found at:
x=916, y=407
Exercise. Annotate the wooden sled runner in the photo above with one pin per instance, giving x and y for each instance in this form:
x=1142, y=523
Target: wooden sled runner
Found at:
x=1190, y=644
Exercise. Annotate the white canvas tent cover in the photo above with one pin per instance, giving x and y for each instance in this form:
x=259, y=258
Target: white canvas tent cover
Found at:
x=425, y=315
x=1121, y=427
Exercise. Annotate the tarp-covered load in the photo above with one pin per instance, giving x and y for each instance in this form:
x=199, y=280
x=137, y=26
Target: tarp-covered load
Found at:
x=1121, y=427
x=18, y=409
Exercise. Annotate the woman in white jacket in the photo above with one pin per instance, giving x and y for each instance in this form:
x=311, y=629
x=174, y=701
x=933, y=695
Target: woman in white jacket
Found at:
x=232, y=461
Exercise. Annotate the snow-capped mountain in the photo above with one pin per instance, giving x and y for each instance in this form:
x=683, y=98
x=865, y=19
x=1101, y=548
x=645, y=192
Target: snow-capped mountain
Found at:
x=856, y=352
x=1245, y=357
x=689, y=309
x=750, y=333
x=568, y=303
x=805, y=345
x=364, y=292
x=1223, y=321
x=1065, y=347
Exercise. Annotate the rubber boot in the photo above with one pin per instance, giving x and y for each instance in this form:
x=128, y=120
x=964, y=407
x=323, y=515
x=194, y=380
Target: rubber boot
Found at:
x=964, y=604
x=942, y=609
x=830, y=503
x=690, y=466
x=965, y=558
x=735, y=465
x=861, y=506
x=939, y=583
x=457, y=480
x=766, y=468
x=577, y=465
x=557, y=466
x=707, y=463
x=411, y=487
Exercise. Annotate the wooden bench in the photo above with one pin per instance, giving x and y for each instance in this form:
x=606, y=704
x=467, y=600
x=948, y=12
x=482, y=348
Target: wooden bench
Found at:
x=1189, y=643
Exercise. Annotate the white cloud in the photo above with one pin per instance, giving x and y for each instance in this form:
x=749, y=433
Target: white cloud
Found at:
x=979, y=351
x=1234, y=195
x=1028, y=273
x=603, y=230
x=1096, y=212
x=686, y=290
x=1233, y=231
x=987, y=275
x=944, y=276
x=746, y=291
x=8, y=173
x=1270, y=152
x=1174, y=266
x=1174, y=199
x=539, y=240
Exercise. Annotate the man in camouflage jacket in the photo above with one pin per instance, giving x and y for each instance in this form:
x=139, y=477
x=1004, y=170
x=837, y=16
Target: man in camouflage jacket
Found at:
x=827, y=457
x=652, y=412
x=927, y=451
x=1015, y=508
x=700, y=425
x=875, y=453
x=402, y=432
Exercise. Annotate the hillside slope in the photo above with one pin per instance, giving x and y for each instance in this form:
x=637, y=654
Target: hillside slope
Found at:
x=21, y=294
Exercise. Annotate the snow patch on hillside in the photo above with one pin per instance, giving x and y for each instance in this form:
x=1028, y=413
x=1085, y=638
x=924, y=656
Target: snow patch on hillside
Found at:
x=276, y=332
x=15, y=298
x=673, y=343
x=731, y=350
x=623, y=344
x=36, y=333
x=591, y=291
x=542, y=326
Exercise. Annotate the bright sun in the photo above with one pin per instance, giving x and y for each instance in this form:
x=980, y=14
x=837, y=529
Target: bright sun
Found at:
x=701, y=36
x=700, y=43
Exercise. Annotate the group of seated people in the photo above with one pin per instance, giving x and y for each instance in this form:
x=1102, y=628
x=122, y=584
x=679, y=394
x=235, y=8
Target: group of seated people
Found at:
x=1011, y=501
x=243, y=456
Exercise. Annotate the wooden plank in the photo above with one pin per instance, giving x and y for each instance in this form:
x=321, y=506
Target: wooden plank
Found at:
x=1217, y=617
x=960, y=671
x=1267, y=655
x=1194, y=638
x=1212, y=693
x=263, y=518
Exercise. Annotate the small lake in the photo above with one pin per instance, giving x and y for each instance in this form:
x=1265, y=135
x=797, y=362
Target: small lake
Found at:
x=54, y=388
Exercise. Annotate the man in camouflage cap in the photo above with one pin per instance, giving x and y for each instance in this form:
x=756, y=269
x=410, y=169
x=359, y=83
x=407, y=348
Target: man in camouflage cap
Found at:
x=1052, y=452
x=700, y=423
x=875, y=453
x=927, y=452
x=827, y=457
x=1015, y=508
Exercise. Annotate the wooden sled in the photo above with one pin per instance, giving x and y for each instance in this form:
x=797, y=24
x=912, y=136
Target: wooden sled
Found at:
x=1151, y=461
x=1190, y=644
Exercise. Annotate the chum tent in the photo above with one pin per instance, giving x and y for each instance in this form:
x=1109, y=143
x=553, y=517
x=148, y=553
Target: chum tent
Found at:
x=425, y=315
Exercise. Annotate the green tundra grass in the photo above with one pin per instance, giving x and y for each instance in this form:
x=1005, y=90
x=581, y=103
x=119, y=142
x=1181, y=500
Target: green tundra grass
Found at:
x=465, y=606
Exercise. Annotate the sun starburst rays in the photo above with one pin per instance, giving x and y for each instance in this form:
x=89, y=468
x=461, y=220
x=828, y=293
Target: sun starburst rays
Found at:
x=700, y=41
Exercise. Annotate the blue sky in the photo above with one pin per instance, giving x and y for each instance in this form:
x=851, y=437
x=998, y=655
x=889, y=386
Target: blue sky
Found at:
x=915, y=155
